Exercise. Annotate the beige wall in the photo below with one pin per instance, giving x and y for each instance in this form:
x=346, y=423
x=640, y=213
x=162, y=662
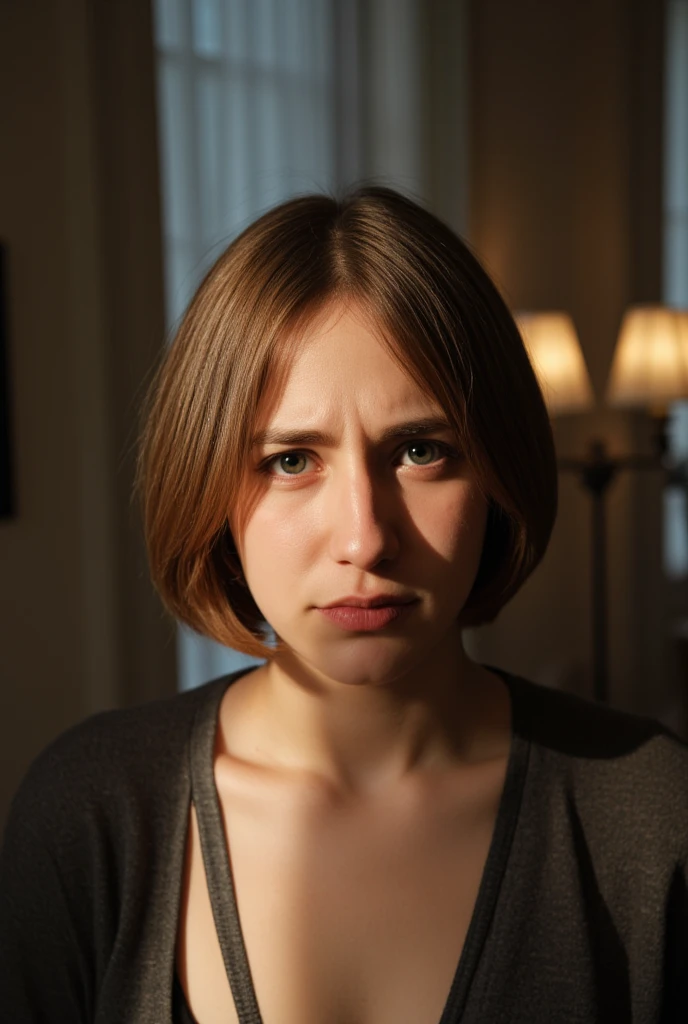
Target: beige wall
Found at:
x=566, y=114
x=80, y=630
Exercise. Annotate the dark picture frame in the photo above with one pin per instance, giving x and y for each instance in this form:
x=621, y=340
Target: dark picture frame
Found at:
x=7, y=497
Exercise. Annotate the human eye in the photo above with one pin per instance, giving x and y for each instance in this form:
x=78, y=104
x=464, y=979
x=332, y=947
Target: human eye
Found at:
x=428, y=453
x=291, y=462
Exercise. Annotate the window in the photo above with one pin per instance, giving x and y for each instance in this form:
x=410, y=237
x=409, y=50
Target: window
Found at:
x=676, y=261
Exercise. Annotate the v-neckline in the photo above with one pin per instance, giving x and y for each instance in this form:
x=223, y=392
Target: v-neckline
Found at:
x=220, y=882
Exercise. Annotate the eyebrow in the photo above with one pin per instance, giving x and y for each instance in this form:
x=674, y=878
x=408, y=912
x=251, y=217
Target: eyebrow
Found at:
x=412, y=428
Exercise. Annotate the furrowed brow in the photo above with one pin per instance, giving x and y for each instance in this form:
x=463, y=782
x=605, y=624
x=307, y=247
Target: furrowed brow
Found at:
x=292, y=438
x=425, y=426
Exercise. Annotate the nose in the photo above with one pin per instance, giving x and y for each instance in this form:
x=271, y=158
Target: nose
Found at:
x=361, y=519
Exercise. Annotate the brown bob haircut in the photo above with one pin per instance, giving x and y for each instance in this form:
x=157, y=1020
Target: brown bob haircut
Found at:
x=442, y=319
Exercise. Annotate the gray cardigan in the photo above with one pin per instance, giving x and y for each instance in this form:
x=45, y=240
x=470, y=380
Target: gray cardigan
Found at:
x=582, y=913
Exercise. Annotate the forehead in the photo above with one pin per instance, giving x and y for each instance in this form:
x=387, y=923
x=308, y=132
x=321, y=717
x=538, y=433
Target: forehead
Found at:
x=341, y=358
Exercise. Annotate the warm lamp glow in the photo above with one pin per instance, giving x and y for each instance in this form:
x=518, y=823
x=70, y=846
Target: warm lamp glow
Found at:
x=650, y=365
x=556, y=356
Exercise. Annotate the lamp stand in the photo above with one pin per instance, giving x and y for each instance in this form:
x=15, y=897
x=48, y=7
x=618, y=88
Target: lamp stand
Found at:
x=596, y=474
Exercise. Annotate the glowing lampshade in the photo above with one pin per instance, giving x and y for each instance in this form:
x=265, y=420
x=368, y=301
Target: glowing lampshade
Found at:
x=555, y=353
x=650, y=365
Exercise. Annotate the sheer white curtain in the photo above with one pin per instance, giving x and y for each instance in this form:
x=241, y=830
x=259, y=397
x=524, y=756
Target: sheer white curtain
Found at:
x=676, y=259
x=258, y=100
x=252, y=95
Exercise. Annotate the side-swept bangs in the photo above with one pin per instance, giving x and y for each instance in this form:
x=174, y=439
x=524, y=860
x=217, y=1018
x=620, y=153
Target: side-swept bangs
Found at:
x=443, y=320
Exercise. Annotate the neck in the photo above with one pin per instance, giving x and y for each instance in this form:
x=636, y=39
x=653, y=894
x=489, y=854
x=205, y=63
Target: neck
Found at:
x=365, y=735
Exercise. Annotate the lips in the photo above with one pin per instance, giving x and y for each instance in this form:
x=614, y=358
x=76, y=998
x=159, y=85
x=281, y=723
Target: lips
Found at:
x=378, y=601
x=365, y=620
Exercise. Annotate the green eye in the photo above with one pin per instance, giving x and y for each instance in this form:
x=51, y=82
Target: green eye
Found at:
x=291, y=462
x=424, y=450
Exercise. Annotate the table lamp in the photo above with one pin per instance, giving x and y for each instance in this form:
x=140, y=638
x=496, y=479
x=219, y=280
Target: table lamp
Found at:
x=557, y=359
x=650, y=365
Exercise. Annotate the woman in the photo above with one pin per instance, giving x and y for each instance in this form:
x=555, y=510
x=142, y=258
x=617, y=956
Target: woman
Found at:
x=347, y=461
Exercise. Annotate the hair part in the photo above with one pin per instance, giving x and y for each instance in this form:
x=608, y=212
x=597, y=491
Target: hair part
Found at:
x=441, y=317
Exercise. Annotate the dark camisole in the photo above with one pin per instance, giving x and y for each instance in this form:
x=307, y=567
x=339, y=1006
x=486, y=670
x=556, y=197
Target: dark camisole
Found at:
x=181, y=1014
x=221, y=886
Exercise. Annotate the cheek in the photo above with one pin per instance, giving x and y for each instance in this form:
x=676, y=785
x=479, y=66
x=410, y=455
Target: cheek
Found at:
x=455, y=523
x=275, y=545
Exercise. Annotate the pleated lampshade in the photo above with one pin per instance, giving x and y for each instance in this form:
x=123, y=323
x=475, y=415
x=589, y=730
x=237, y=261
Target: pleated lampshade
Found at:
x=650, y=365
x=552, y=344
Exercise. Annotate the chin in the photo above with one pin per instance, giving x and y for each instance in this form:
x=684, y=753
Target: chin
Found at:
x=361, y=661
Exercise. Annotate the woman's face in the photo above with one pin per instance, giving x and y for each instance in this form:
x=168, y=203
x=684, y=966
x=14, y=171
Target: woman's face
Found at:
x=355, y=510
